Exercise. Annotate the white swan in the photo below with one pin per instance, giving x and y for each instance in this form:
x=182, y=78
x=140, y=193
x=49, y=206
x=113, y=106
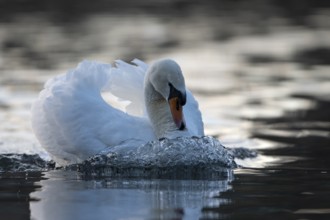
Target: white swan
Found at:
x=72, y=121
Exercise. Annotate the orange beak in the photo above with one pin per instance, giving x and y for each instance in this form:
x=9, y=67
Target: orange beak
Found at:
x=177, y=114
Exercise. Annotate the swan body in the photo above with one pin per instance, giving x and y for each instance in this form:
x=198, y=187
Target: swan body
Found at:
x=72, y=121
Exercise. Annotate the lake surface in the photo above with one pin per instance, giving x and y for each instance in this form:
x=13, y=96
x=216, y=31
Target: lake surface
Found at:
x=261, y=76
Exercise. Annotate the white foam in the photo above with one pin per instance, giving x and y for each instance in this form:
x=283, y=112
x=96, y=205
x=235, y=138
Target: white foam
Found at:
x=180, y=157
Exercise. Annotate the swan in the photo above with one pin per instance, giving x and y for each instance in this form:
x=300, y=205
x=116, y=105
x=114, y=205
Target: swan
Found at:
x=72, y=121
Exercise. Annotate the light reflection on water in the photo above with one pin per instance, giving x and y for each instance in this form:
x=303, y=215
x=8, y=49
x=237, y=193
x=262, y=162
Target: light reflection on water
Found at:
x=123, y=198
x=252, y=90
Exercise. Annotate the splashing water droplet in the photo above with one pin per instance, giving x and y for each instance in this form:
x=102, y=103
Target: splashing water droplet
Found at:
x=183, y=157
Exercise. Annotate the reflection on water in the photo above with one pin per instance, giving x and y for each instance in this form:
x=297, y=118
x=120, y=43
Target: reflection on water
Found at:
x=260, y=71
x=285, y=193
x=15, y=196
x=123, y=198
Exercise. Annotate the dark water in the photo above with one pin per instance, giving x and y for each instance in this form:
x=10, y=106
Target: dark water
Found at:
x=259, y=69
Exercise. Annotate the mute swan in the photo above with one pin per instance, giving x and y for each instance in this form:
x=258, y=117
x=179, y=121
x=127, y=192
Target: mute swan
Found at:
x=72, y=121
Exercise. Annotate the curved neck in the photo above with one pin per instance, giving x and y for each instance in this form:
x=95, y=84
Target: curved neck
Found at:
x=159, y=113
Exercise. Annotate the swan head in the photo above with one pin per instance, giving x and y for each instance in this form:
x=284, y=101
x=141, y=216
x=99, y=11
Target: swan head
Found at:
x=167, y=79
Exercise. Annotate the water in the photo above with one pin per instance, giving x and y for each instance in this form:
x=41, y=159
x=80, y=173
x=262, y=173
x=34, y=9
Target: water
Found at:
x=142, y=199
x=260, y=72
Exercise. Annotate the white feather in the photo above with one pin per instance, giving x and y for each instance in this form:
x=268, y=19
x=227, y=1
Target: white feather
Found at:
x=73, y=122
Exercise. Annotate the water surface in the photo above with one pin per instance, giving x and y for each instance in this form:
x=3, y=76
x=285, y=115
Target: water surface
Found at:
x=260, y=74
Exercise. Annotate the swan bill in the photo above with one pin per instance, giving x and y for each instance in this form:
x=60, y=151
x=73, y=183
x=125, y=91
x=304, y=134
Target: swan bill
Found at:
x=176, y=111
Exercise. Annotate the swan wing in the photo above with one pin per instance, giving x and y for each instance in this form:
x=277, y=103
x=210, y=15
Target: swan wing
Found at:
x=127, y=83
x=71, y=119
x=193, y=116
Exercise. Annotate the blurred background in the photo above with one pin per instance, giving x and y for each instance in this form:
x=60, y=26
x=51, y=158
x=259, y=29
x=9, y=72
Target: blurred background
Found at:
x=259, y=68
x=37, y=34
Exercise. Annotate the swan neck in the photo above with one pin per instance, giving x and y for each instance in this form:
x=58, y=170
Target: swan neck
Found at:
x=159, y=113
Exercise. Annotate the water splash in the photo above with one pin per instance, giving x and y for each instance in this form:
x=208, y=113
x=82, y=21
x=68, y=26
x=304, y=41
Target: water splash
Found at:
x=24, y=163
x=182, y=157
